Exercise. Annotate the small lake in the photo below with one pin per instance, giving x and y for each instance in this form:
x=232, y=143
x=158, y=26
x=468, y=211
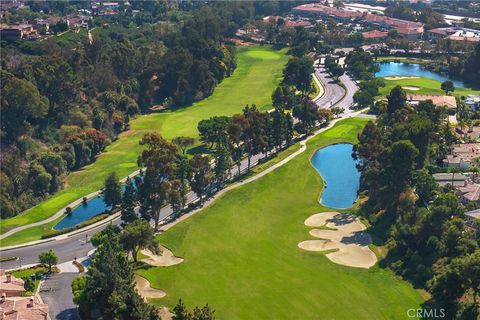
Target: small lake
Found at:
x=93, y=207
x=391, y=69
x=83, y=212
x=340, y=175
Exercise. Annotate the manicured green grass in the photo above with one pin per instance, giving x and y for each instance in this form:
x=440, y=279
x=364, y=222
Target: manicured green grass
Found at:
x=27, y=273
x=241, y=254
x=425, y=85
x=258, y=73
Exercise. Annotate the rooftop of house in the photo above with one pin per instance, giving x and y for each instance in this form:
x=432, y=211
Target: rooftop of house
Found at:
x=319, y=8
x=24, y=308
x=455, y=179
x=375, y=34
x=471, y=99
x=458, y=33
x=438, y=100
x=472, y=132
x=474, y=213
x=10, y=284
x=392, y=22
x=471, y=191
x=463, y=153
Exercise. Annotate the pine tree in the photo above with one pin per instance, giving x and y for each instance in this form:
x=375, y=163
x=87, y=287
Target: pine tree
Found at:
x=110, y=289
x=129, y=201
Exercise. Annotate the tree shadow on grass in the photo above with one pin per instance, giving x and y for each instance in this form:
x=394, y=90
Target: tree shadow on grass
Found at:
x=201, y=149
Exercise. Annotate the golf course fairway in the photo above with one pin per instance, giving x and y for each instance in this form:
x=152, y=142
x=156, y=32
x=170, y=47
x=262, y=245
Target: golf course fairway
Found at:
x=423, y=86
x=241, y=255
x=258, y=73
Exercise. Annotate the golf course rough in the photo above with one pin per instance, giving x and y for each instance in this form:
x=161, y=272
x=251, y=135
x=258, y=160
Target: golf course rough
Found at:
x=258, y=73
x=241, y=254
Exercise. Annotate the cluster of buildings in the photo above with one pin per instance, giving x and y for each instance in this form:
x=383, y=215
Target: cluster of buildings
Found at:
x=14, y=306
x=407, y=29
x=38, y=27
x=455, y=33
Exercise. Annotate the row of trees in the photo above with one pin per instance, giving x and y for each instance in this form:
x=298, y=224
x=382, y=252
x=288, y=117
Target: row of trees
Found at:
x=422, y=224
x=170, y=175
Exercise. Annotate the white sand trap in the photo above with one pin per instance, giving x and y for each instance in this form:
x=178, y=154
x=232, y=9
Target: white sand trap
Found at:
x=411, y=88
x=400, y=77
x=348, y=237
x=165, y=314
x=319, y=219
x=317, y=245
x=145, y=290
x=165, y=259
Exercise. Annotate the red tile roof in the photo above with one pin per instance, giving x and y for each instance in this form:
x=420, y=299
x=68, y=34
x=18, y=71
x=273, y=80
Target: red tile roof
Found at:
x=375, y=34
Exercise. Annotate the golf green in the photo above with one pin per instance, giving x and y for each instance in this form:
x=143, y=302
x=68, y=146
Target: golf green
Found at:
x=423, y=86
x=241, y=254
x=258, y=73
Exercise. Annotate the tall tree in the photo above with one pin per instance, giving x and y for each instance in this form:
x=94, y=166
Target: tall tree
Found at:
x=110, y=289
x=223, y=163
x=21, y=103
x=129, y=203
x=49, y=258
x=298, y=72
x=202, y=174
x=112, y=193
x=138, y=235
x=160, y=159
x=183, y=143
x=448, y=86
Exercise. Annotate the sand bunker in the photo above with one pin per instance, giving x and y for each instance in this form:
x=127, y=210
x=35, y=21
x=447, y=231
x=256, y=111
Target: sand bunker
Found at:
x=399, y=77
x=319, y=219
x=165, y=314
x=413, y=88
x=145, y=290
x=348, y=239
x=165, y=259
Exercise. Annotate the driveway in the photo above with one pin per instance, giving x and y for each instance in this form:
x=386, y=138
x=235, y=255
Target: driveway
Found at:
x=56, y=291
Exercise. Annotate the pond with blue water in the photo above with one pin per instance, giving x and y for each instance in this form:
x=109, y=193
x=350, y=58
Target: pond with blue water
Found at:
x=392, y=69
x=85, y=211
x=340, y=175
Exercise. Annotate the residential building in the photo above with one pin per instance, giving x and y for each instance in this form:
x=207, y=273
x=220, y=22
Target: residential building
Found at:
x=454, y=179
x=12, y=32
x=438, y=100
x=375, y=35
x=76, y=21
x=10, y=286
x=408, y=29
x=472, y=132
x=317, y=9
x=473, y=102
x=454, y=33
x=41, y=24
x=22, y=308
x=463, y=155
x=469, y=192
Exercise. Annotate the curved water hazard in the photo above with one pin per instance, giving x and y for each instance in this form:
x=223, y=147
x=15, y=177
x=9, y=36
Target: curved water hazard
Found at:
x=340, y=175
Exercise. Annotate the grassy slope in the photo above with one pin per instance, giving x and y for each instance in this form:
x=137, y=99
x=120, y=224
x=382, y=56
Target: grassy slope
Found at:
x=426, y=85
x=259, y=71
x=241, y=254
